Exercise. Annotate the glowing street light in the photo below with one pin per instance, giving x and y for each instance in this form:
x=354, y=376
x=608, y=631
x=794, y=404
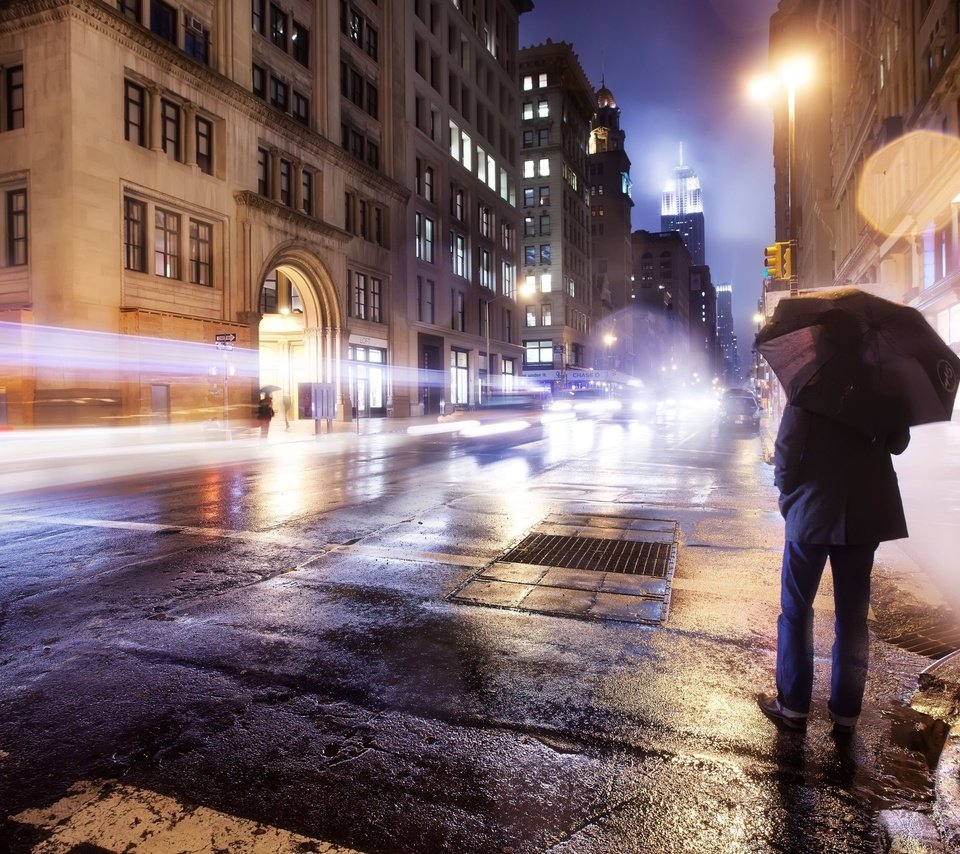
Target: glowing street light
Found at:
x=792, y=74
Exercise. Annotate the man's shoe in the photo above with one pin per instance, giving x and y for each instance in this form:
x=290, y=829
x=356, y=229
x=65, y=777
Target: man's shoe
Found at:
x=770, y=706
x=843, y=727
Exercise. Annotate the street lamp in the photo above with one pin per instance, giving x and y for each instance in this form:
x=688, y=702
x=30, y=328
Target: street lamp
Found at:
x=792, y=74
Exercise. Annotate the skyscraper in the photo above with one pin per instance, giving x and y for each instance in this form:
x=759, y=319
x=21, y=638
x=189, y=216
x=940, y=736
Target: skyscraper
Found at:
x=610, y=204
x=726, y=339
x=681, y=209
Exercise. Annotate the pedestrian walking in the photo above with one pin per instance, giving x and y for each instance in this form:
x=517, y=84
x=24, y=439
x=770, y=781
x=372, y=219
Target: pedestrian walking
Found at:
x=839, y=499
x=264, y=415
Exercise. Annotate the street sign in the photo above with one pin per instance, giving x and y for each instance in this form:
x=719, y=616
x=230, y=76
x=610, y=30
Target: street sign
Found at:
x=224, y=337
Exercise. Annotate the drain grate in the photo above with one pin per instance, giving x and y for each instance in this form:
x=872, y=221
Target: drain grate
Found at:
x=934, y=641
x=629, y=557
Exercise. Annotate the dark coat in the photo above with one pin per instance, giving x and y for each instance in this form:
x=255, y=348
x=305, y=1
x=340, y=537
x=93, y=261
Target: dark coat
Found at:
x=837, y=487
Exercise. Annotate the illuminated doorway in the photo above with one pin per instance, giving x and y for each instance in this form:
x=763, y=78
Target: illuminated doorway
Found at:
x=368, y=380
x=283, y=354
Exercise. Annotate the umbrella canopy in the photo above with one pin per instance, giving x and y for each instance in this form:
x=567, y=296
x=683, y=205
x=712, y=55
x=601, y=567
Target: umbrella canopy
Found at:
x=269, y=389
x=871, y=363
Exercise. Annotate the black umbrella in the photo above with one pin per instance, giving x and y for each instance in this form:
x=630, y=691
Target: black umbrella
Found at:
x=269, y=389
x=871, y=363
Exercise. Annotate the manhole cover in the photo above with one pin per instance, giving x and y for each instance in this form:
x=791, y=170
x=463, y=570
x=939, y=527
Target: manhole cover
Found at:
x=598, y=555
x=597, y=566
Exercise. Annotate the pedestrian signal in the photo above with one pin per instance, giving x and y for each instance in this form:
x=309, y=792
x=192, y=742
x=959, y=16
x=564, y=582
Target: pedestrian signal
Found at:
x=773, y=261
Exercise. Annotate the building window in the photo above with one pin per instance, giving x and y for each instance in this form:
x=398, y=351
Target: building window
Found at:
x=458, y=204
x=130, y=9
x=134, y=114
x=364, y=219
x=260, y=82
x=301, y=44
x=170, y=128
x=459, y=376
x=278, y=27
x=349, y=215
x=306, y=182
x=424, y=237
x=259, y=16
x=459, y=303
x=301, y=108
x=544, y=198
x=196, y=41
x=543, y=108
x=166, y=244
x=372, y=44
x=201, y=253
x=358, y=305
x=428, y=183
x=376, y=300
x=528, y=139
x=544, y=224
x=538, y=352
x=544, y=253
x=204, y=132
x=17, y=227
x=263, y=172
x=134, y=235
x=486, y=222
x=528, y=197
x=528, y=110
x=163, y=21
x=546, y=314
x=529, y=255
x=279, y=93
x=373, y=154
x=458, y=248
x=286, y=176
x=486, y=269
x=12, y=78
x=378, y=234
x=530, y=316
x=355, y=27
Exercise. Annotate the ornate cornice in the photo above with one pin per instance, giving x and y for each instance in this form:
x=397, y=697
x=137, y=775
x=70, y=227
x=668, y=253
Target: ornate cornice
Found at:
x=254, y=201
x=173, y=62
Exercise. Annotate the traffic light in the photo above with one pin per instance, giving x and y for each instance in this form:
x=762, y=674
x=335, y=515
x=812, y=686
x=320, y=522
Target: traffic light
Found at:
x=773, y=261
x=787, y=261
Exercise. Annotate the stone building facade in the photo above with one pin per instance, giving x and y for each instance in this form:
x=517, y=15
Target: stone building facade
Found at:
x=560, y=306
x=178, y=176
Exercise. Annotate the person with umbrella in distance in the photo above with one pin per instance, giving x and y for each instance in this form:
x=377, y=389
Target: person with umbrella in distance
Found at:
x=265, y=414
x=853, y=367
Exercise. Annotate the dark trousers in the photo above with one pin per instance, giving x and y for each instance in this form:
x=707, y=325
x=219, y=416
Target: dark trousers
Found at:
x=803, y=565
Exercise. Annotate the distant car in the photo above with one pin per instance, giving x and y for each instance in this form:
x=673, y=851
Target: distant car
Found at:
x=502, y=420
x=739, y=408
x=633, y=405
x=585, y=402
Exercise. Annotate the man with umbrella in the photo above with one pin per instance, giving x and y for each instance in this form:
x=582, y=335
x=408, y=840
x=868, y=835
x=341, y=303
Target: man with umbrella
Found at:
x=858, y=371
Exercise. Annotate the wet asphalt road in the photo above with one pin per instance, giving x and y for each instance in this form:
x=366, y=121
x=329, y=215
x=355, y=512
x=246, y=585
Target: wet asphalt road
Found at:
x=272, y=640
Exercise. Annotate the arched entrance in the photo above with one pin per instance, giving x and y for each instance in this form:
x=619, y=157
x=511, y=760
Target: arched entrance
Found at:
x=299, y=335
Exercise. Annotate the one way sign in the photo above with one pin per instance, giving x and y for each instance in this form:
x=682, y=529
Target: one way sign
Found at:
x=224, y=337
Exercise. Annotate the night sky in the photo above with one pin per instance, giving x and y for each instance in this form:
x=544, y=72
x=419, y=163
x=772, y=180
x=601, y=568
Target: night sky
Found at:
x=678, y=71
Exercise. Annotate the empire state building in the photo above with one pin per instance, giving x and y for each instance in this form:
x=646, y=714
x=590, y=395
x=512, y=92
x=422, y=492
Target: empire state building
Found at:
x=681, y=209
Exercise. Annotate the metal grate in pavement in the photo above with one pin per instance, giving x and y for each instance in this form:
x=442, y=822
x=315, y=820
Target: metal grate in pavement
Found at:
x=612, y=566
x=629, y=557
x=936, y=640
